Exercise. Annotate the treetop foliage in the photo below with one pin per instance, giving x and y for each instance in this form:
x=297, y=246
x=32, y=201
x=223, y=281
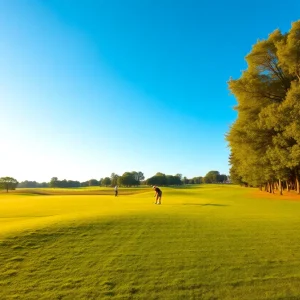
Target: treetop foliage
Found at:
x=8, y=183
x=265, y=138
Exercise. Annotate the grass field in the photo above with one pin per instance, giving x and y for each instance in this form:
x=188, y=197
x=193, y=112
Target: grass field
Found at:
x=205, y=242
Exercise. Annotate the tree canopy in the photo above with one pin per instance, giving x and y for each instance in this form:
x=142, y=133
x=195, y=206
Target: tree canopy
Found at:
x=265, y=138
x=8, y=183
x=106, y=181
x=214, y=177
x=164, y=180
x=128, y=179
x=32, y=184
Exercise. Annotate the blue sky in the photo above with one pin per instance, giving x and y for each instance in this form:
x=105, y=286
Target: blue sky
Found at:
x=88, y=88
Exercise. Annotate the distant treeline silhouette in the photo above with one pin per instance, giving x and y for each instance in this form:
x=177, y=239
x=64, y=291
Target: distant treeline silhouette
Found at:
x=128, y=179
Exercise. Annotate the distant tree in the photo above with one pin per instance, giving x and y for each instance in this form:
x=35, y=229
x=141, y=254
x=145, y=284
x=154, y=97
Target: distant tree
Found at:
x=169, y=179
x=212, y=177
x=206, y=180
x=177, y=180
x=32, y=184
x=152, y=181
x=185, y=180
x=53, y=182
x=128, y=179
x=8, y=183
x=106, y=181
x=62, y=183
x=134, y=174
x=114, y=179
x=93, y=182
x=173, y=180
x=28, y=184
x=222, y=178
x=164, y=180
x=139, y=176
x=73, y=183
x=158, y=179
x=160, y=174
x=198, y=180
x=179, y=175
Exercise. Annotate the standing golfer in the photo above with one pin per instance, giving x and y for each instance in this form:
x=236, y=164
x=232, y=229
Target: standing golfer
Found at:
x=116, y=191
x=158, y=194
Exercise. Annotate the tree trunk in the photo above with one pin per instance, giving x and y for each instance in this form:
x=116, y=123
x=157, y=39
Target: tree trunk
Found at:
x=280, y=186
x=292, y=185
x=287, y=186
x=297, y=184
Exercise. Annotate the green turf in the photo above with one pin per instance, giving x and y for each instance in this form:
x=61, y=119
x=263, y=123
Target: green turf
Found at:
x=93, y=190
x=208, y=242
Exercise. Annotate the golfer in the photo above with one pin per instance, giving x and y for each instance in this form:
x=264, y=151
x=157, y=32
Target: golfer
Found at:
x=116, y=191
x=157, y=195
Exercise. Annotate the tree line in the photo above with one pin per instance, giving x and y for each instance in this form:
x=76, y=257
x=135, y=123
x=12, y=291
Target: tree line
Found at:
x=265, y=138
x=165, y=180
x=128, y=179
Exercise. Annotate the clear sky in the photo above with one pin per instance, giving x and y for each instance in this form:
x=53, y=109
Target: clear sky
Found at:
x=88, y=88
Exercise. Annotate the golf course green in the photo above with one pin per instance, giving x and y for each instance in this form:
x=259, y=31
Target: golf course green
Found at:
x=203, y=242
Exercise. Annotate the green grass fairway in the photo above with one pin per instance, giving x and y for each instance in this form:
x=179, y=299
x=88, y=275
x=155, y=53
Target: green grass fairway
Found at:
x=204, y=242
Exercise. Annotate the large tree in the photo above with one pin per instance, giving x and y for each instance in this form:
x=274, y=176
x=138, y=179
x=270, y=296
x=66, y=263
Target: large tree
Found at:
x=265, y=139
x=128, y=179
x=8, y=183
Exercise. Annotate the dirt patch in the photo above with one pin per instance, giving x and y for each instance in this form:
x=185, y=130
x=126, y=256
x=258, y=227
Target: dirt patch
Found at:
x=292, y=195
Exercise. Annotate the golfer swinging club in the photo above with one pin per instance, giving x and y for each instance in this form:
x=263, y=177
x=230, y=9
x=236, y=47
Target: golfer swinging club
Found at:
x=158, y=194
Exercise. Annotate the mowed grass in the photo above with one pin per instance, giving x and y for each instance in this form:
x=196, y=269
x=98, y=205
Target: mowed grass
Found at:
x=94, y=190
x=204, y=242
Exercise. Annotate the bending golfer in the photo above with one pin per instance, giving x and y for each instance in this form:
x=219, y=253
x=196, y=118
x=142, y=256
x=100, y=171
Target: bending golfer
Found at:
x=158, y=194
